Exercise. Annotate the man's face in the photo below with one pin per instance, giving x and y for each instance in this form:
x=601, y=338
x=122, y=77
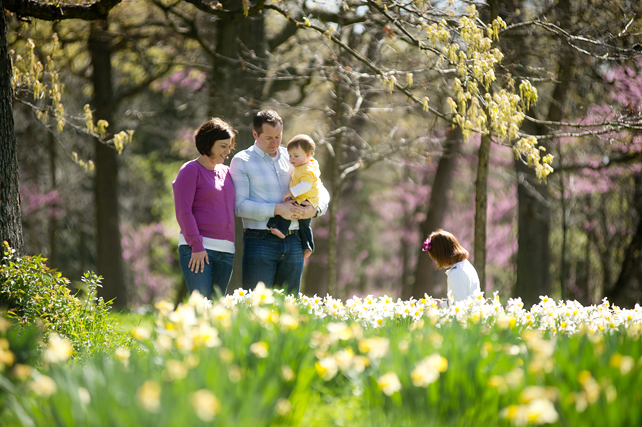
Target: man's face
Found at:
x=270, y=139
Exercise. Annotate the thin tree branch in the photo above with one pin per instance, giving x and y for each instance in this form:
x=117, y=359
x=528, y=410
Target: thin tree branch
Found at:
x=629, y=158
x=99, y=9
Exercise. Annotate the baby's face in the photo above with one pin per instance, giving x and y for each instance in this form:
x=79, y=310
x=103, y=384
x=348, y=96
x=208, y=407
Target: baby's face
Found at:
x=298, y=157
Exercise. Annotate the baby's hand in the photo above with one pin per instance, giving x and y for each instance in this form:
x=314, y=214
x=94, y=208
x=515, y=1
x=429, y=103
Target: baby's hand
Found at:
x=288, y=195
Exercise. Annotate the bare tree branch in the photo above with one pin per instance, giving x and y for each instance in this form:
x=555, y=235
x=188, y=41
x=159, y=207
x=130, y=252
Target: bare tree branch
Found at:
x=99, y=9
x=629, y=158
x=216, y=8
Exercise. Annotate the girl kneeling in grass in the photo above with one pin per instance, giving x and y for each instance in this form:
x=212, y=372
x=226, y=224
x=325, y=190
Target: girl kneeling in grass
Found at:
x=446, y=251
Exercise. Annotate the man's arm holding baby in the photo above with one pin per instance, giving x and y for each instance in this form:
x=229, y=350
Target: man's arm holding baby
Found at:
x=245, y=207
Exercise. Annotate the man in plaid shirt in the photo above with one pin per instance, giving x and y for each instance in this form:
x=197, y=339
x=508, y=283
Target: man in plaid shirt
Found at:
x=261, y=176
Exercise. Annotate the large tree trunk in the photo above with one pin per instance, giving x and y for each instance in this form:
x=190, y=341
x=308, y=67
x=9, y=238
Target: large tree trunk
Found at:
x=534, y=214
x=316, y=272
x=235, y=92
x=425, y=272
x=628, y=286
x=533, y=225
x=481, y=190
x=10, y=220
x=52, y=215
x=338, y=119
x=322, y=271
x=481, y=210
x=109, y=263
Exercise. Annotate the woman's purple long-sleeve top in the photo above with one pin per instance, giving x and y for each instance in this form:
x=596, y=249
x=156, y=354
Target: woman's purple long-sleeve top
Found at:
x=204, y=203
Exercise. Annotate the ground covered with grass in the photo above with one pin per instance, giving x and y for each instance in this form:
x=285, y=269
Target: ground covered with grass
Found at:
x=262, y=358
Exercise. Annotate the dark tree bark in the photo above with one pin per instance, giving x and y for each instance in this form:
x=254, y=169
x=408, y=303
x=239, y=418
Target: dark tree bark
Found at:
x=481, y=190
x=99, y=9
x=533, y=225
x=481, y=210
x=336, y=184
x=321, y=275
x=53, y=220
x=109, y=260
x=425, y=272
x=627, y=289
x=10, y=219
x=235, y=92
x=31, y=161
x=534, y=212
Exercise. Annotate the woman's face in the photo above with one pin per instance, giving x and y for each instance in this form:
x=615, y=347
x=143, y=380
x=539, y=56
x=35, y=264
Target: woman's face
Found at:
x=220, y=150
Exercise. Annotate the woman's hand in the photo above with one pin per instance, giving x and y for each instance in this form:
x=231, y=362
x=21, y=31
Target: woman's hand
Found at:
x=198, y=260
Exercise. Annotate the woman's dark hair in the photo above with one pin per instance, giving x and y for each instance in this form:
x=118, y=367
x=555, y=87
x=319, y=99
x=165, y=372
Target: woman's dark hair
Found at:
x=270, y=117
x=444, y=249
x=303, y=142
x=211, y=131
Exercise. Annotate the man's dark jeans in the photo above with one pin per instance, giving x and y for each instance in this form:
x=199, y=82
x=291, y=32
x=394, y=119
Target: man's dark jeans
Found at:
x=274, y=261
x=305, y=230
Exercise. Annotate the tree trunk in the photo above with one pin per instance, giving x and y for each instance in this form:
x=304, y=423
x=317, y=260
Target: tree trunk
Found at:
x=563, y=264
x=533, y=254
x=628, y=286
x=53, y=220
x=425, y=271
x=30, y=159
x=533, y=225
x=10, y=219
x=109, y=262
x=481, y=190
x=481, y=210
x=316, y=271
x=342, y=193
x=407, y=254
x=335, y=184
x=235, y=92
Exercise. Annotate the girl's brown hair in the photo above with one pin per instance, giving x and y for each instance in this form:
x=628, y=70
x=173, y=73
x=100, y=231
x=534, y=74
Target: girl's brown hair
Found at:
x=444, y=249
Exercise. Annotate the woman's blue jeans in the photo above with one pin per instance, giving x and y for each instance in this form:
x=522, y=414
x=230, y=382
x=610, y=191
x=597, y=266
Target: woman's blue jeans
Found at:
x=215, y=276
x=274, y=261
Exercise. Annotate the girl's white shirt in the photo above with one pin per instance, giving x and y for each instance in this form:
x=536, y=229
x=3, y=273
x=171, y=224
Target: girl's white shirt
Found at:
x=462, y=280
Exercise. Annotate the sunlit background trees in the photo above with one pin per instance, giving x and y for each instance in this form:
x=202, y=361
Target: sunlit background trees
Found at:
x=418, y=120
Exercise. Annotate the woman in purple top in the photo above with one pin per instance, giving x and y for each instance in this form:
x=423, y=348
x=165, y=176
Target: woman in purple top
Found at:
x=204, y=202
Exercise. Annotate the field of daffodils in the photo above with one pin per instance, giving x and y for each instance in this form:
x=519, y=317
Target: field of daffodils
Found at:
x=259, y=358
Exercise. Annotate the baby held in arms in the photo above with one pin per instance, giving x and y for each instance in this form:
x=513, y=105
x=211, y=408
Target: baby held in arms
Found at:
x=304, y=186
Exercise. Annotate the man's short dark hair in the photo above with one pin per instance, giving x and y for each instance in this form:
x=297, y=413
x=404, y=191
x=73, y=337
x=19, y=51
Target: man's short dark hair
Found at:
x=270, y=117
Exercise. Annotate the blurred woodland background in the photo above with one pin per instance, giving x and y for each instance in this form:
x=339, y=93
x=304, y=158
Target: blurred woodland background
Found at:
x=366, y=81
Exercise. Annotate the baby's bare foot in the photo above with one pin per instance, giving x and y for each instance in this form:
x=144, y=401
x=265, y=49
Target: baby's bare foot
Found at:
x=277, y=232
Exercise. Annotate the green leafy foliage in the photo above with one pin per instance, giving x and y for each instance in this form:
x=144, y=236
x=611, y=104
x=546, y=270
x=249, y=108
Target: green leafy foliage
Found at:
x=31, y=292
x=18, y=352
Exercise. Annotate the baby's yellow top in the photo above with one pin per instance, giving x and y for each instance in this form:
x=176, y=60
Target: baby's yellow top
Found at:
x=309, y=173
